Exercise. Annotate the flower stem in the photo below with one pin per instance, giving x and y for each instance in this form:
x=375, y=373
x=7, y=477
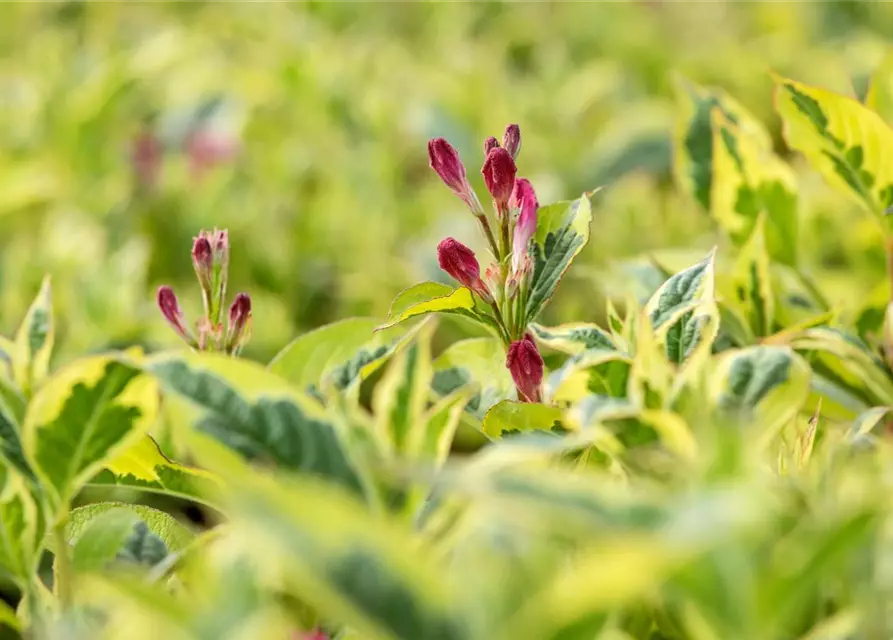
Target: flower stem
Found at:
x=485, y=224
x=506, y=334
x=62, y=566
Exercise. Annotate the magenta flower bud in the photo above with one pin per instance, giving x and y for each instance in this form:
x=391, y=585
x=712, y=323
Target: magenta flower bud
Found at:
x=170, y=309
x=444, y=159
x=524, y=198
x=499, y=175
x=220, y=245
x=525, y=364
x=203, y=262
x=459, y=261
x=239, y=323
x=511, y=140
x=490, y=143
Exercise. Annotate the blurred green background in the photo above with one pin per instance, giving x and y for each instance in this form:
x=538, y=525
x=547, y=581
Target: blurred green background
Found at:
x=302, y=128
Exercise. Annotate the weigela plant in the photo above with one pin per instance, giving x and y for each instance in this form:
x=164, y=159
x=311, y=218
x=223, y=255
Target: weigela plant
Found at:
x=506, y=285
x=210, y=259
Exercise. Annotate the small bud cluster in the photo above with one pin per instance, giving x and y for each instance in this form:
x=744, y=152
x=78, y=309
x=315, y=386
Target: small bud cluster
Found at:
x=210, y=259
x=506, y=282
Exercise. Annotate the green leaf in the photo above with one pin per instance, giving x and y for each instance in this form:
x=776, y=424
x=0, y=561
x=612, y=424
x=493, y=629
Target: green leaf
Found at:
x=339, y=355
x=256, y=414
x=11, y=443
x=34, y=341
x=573, y=337
x=847, y=362
x=83, y=417
x=479, y=362
x=441, y=423
x=749, y=180
x=348, y=564
x=752, y=282
x=845, y=141
x=867, y=421
x=401, y=397
x=20, y=526
x=144, y=467
x=510, y=416
x=105, y=531
x=432, y=297
x=562, y=230
x=694, y=140
x=880, y=92
x=683, y=311
x=594, y=369
x=766, y=385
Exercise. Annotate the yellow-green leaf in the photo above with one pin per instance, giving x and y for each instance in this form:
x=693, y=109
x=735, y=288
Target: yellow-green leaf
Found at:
x=401, y=397
x=683, y=311
x=431, y=297
x=749, y=180
x=510, y=417
x=848, y=143
x=338, y=355
x=754, y=296
x=573, y=337
x=143, y=466
x=83, y=417
x=479, y=362
x=765, y=386
x=693, y=139
x=34, y=341
x=20, y=526
x=562, y=230
x=256, y=414
x=99, y=531
x=880, y=92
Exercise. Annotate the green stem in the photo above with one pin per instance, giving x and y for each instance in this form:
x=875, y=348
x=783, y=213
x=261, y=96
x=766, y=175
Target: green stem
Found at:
x=62, y=566
x=506, y=336
x=485, y=224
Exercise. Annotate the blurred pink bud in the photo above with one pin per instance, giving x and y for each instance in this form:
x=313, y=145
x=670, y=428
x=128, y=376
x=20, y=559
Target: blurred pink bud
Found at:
x=524, y=198
x=525, y=364
x=493, y=279
x=459, y=261
x=511, y=140
x=316, y=634
x=490, y=143
x=239, y=322
x=219, y=240
x=206, y=149
x=170, y=309
x=146, y=158
x=499, y=175
x=203, y=261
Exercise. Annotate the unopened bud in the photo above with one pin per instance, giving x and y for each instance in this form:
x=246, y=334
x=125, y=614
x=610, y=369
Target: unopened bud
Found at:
x=516, y=277
x=511, y=140
x=525, y=364
x=493, y=280
x=239, y=326
x=203, y=262
x=490, y=143
x=499, y=175
x=459, y=261
x=524, y=198
x=170, y=309
x=219, y=239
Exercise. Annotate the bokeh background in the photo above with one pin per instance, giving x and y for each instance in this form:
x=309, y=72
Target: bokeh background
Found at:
x=302, y=128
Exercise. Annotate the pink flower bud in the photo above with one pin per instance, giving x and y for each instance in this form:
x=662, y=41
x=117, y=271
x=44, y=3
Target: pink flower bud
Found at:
x=490, y=143
x=220, y=245
x=499, y=175
x=239, y=323
x=525, y=364
x=511, y=140
x=444, y=159
x=459, y=261
x=207, y=148
x=524, y=198
x=493, y=279
x=203, y=261
x=170, y=309
x=145, y=158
